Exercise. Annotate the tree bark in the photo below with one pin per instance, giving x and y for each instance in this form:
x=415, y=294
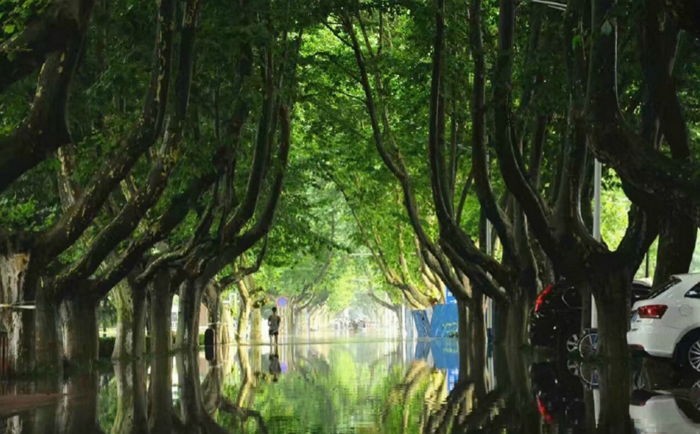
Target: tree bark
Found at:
x=677, y=237
x=246, y=305
x=256, y=320
x=160, y=314
x=243, y=322
x=80, y=332
x=613, y=321
x=18, y=322
x=188, y=319
x=47, y=341
x=131, y=322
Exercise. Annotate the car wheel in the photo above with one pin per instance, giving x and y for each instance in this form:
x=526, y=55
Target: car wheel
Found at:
x=572, y=343
x=693, y=355
x=573, y=367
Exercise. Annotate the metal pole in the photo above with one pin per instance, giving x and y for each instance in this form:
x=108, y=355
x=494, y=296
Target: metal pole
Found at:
x=489, y=251
x=597, y=178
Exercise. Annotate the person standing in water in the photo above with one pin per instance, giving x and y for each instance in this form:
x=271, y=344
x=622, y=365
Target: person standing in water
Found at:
x=273, y=325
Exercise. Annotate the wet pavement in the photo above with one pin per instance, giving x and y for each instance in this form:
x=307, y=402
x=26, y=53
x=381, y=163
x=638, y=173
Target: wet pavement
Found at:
x=358, y=385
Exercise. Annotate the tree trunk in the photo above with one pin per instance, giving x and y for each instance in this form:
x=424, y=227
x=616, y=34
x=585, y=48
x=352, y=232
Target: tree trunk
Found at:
x=243, y=317
x=18, y=322
x=48, y=354
x=160, y=392
x=225, y=328
x=463, y=329
x=677, y=236
x=474, y=361
x=80, y=332
x=188, y=320
x=160, y=314
x=500, y=323
x=516, y=322
x=256, y=325
x=131, y=322
x=613, y=322
x=214, y=309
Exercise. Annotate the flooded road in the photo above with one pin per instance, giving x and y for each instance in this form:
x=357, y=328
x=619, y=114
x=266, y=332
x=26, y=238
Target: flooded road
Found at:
x=359, y=385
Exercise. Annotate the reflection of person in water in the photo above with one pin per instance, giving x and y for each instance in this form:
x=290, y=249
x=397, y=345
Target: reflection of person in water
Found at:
x=275, y=368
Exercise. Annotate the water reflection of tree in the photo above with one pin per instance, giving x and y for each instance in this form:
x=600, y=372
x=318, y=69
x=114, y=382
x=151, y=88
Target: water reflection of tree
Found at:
x=131, y=398
x=241, y=409
x=472, y=405
x=420, y=377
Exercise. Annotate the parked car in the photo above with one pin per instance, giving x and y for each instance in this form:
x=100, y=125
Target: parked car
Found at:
x=556, y=318
x=667, y=324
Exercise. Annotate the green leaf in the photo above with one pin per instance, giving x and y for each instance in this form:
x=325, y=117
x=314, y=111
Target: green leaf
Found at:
x=9, y=28
x=606, y=28
x=576, y=42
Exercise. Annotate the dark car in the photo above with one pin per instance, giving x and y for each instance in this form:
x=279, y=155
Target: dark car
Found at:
x=556, y=318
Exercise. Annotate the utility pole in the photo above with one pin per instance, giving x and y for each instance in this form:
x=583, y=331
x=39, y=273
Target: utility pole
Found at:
x=597, y=180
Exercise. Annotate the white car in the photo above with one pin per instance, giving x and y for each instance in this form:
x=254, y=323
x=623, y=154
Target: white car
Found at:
x=667, y=324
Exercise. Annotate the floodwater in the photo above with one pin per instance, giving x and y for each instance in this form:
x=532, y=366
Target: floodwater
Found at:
x=349, y=385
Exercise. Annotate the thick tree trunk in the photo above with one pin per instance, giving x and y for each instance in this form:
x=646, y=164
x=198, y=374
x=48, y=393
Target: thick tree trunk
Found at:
x=161, y=314
x=510, y=322
x=160, y=392
x=216, y=318
x=131, y=322
x=80, y=332
x=677, y=236
x=47, y=342
x=19, y=323
x=256, y=325
x=188, y=320
x=500, y=324
x=476, y=368
x=225, y=333
x=613, y=322
x=131, y=399
x=463, y=330
x=33, y=337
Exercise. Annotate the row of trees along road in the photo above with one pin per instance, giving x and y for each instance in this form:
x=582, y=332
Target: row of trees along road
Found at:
x=142, y=154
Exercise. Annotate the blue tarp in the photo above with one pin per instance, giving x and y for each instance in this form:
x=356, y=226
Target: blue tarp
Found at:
x=420, y=319
x=446, y=356
x=444, y=321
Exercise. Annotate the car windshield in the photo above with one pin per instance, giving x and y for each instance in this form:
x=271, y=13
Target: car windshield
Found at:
x=660, y=289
